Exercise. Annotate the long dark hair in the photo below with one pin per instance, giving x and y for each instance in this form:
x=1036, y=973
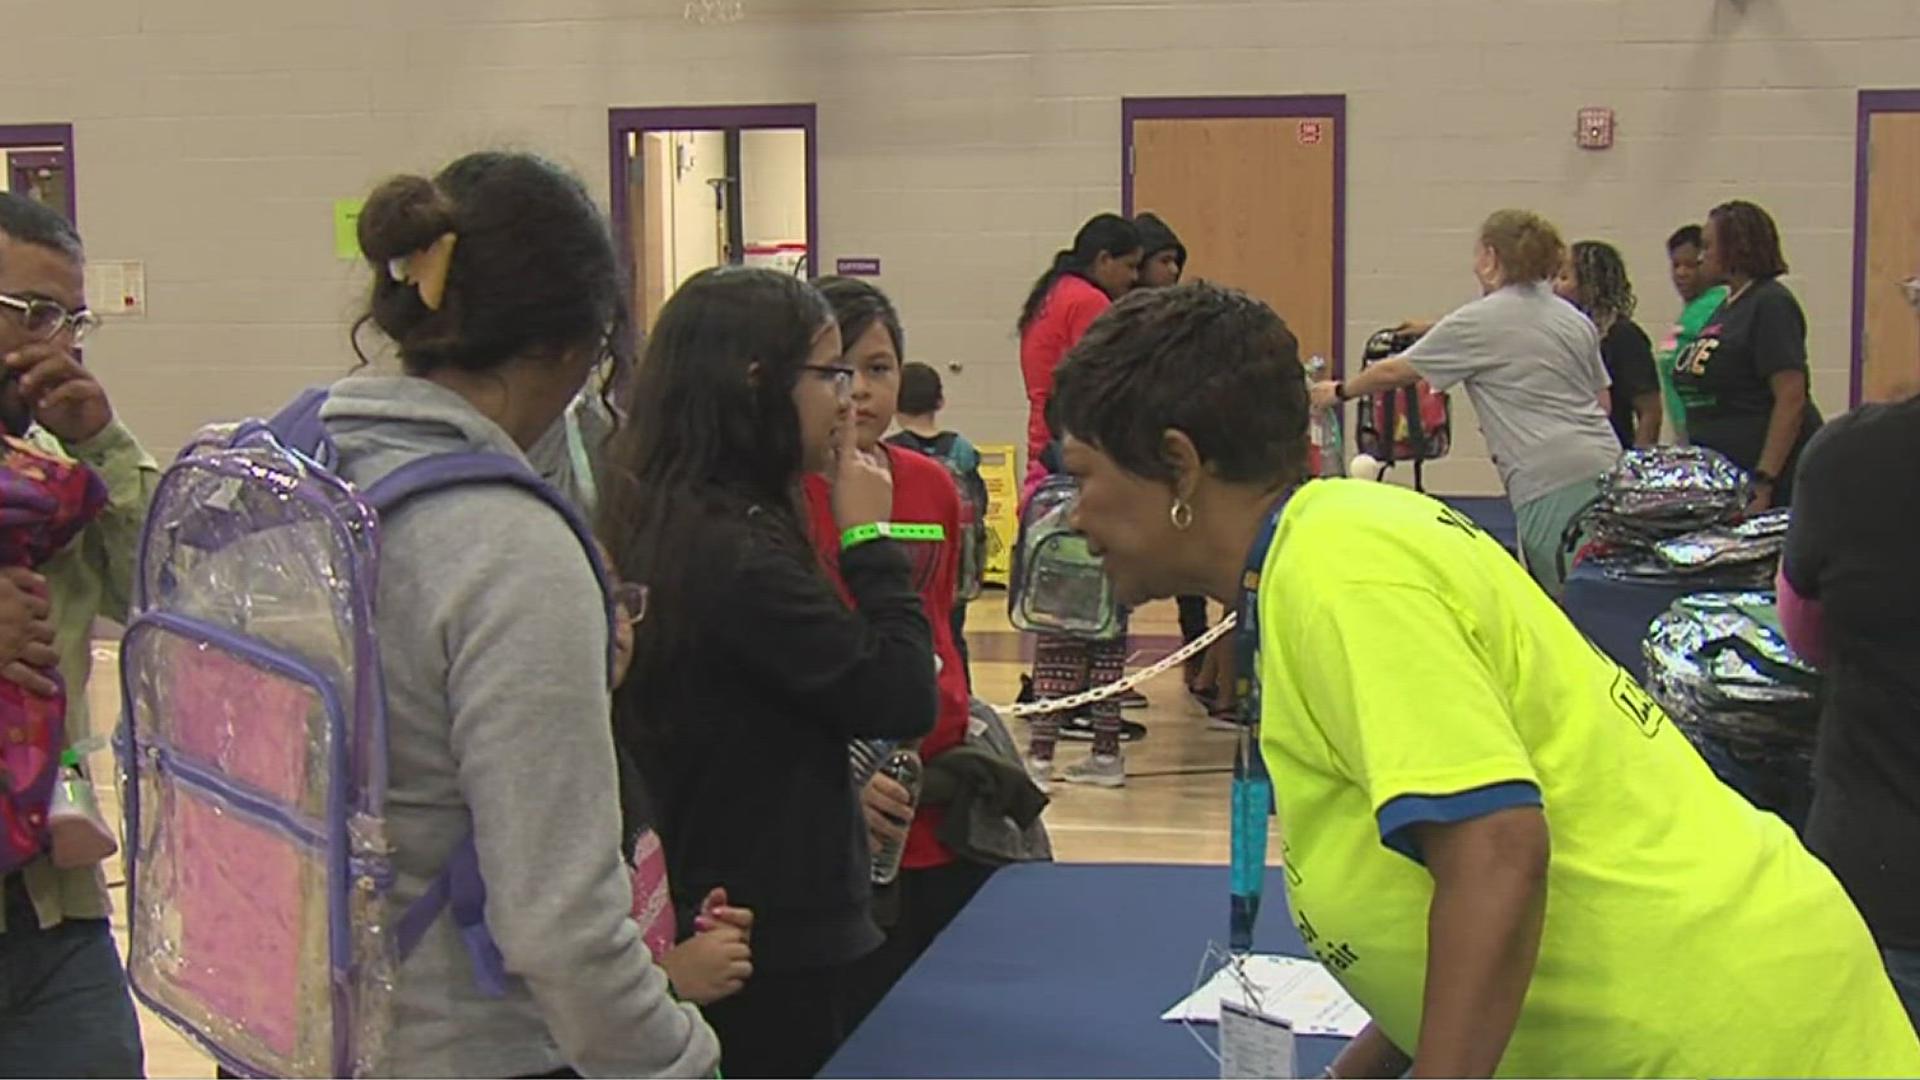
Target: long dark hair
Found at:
x=711, y=429
x=534, y=270
x=1103, y=234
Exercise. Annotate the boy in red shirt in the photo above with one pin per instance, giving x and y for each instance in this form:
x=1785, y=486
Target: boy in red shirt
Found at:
x=933, y=885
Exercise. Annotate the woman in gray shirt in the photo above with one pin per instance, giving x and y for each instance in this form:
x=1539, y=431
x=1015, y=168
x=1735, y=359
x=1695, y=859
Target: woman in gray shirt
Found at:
x=1531, y=365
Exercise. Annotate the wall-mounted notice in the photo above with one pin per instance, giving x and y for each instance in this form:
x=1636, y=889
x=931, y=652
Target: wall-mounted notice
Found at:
x=117, y=288
x=864, y=266
x=346, y=228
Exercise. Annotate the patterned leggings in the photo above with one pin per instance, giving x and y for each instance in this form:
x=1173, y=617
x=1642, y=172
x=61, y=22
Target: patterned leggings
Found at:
x=1063, y=666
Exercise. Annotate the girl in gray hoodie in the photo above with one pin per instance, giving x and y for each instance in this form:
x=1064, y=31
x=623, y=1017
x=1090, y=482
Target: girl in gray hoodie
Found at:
x=498, y=286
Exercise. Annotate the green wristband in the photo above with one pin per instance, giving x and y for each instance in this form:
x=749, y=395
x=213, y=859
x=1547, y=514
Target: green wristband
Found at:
x=861, y=534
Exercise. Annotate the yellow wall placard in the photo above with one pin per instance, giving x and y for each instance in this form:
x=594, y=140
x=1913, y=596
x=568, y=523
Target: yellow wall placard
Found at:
x=999, y=468
x=346, y=228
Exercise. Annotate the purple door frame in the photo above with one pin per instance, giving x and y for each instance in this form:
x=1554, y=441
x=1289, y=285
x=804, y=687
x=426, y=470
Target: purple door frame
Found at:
x=1215, y=108
x=1871, y=102
x=623, y=122
x=38, y=135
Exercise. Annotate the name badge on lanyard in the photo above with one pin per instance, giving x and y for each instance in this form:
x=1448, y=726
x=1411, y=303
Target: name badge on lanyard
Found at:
x=1252, y=798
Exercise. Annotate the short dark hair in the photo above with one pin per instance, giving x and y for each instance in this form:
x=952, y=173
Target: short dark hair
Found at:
x=33, y=222
x=1209, y=361
x=1746, y=241
x=857, y=305
x=1686, y=236
x=920, y=391
x=534, y=268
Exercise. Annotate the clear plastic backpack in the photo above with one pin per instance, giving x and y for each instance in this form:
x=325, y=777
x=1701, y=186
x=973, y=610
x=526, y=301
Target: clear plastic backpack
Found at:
x=1058, y=585
x=254, y=753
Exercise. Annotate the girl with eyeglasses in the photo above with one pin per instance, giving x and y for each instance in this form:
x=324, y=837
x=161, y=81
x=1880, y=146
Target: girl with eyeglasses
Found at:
x=751, y=674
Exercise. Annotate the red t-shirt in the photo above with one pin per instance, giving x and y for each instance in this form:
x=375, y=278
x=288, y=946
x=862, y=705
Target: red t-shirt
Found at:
x=1072, y=305
x=923, y=494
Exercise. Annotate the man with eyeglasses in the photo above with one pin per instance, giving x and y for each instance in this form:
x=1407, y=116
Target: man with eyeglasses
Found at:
x=64, y=1005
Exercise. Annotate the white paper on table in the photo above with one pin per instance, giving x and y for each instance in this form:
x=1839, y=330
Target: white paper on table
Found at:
x=1297, y=991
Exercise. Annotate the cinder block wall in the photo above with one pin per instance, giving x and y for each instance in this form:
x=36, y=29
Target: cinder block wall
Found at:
x=961, y=140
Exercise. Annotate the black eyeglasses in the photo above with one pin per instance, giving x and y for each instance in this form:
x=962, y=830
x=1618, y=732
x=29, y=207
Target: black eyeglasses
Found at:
x=45, y=319
x=840, y=375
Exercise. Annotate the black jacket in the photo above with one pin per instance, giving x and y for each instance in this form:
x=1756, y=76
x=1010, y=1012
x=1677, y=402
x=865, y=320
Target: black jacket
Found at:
x=744, y=748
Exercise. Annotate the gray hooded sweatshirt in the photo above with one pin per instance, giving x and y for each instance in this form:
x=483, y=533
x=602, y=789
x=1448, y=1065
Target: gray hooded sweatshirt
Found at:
x=493, y=646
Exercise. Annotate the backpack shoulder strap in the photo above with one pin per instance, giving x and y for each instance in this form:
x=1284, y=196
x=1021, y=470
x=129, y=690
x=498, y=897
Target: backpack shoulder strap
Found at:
x=459, y=887
x=298, y=427
x=944, y=443
x=440, y=472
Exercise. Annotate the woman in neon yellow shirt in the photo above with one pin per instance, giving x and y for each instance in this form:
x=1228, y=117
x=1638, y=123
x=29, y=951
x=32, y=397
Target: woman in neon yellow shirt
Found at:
x=1494, y=838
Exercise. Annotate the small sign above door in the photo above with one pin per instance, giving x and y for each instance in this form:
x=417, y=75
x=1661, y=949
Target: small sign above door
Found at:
x=865, y=266
x=1311, y=132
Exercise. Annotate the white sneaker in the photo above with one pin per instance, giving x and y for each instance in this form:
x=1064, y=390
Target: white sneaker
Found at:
x=1041, y=773
x=1100, y=770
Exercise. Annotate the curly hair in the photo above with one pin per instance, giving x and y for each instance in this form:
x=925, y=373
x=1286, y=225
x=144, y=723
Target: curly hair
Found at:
x=1600, y=277
x=1746, y=242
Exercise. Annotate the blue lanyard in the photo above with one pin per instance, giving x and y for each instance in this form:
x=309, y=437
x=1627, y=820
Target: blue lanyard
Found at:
x=1252, y=787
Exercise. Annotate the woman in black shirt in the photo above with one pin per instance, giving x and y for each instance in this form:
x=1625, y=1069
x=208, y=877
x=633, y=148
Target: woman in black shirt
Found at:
x=1848, y=588
x=750, y=674
x=1594, y=279
x=1744, y=381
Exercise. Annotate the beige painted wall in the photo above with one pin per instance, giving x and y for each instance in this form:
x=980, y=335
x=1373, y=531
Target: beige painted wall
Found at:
x=773, y=176
x=961, y=140
x=695, y=240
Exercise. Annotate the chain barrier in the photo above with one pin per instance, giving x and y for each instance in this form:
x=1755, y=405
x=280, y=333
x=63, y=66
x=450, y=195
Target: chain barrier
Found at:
x=1101, y=693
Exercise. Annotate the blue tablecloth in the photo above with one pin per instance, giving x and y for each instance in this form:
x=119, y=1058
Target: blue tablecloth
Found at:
x=1493, y=514
x=1064, y=971
x=1616, y=614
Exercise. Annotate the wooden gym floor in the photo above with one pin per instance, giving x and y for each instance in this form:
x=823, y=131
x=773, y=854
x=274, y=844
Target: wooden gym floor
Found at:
x=1173, y=809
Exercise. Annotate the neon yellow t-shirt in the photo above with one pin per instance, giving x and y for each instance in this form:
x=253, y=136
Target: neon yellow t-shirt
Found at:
x=1404, y=657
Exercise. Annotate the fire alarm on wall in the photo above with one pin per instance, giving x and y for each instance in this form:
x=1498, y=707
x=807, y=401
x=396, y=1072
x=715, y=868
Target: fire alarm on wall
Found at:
x=1596, y=128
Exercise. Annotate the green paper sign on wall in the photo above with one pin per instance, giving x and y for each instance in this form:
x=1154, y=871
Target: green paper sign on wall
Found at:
x=346, y=228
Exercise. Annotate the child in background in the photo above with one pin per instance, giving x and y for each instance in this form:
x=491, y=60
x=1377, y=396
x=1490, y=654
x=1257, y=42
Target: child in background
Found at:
x=921, y=399
x=933, y=884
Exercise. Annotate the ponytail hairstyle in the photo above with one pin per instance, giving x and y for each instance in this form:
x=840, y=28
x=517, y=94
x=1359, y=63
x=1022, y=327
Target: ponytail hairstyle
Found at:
x=1601, y=285
x=532, y=270
x=1527, y=245
x=1104, y=234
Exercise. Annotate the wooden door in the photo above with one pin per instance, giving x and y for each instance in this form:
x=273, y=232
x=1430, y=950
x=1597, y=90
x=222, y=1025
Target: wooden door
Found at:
x=650, y=209
x=1890, y=342
x=1253, y=199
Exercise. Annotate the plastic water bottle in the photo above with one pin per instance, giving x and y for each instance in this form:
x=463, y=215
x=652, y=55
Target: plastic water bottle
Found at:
x=1323, y=429
x=903, y=768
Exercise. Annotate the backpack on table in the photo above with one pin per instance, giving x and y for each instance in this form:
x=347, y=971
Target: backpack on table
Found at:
x=254, y=748
x=1413, y=423
x=1058, y=585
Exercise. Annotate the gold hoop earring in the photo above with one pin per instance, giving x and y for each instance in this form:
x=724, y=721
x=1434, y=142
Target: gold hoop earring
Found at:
x=1181, y=514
